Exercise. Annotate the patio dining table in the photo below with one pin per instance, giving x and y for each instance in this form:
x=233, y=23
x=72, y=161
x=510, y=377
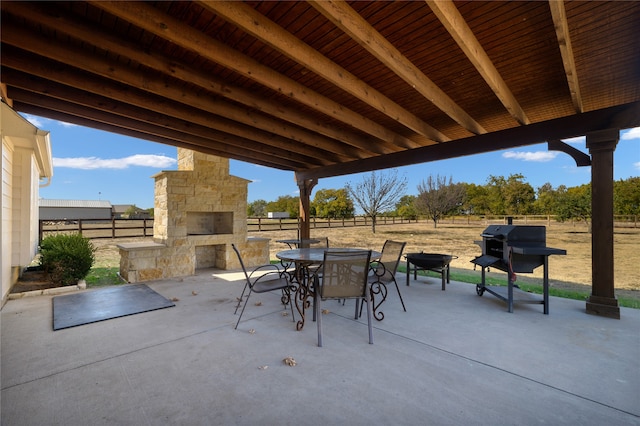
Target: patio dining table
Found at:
x=304, y=259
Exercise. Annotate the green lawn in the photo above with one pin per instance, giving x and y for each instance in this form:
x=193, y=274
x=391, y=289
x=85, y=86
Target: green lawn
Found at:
x=101, y=277
x=474, y=278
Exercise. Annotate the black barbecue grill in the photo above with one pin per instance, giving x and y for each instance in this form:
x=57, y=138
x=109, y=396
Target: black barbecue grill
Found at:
x=512, y=248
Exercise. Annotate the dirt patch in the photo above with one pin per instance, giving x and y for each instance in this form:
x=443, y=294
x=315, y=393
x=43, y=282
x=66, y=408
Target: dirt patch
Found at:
x=33, y=280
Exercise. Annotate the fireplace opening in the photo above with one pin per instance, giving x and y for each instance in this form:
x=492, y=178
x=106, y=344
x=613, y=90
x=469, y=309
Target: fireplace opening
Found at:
x=211, y=256
x=209, y=223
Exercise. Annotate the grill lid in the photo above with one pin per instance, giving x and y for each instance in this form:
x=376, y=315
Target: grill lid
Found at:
x=511, y=233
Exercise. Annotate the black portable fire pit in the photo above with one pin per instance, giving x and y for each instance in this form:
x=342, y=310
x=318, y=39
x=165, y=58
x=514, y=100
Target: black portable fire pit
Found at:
x=435, y=262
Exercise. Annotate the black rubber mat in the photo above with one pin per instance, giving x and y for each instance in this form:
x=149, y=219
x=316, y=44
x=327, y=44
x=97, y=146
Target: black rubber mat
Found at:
x=98, y=305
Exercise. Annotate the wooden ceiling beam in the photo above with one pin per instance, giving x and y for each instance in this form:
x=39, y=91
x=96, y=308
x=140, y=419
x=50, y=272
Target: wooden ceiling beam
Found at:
x=617, y=117
x=559, y=16
x=93, y=87
x=349, y=21
x=163, y=106
x=455, y=24
x=61, y=116
x=162, y=25
x=261, y=27
x=165, y=127
x=64, y=23
x=167, y=89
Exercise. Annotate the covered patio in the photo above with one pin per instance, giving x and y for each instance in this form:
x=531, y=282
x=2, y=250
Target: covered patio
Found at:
x=452, y=358
x=332, y=88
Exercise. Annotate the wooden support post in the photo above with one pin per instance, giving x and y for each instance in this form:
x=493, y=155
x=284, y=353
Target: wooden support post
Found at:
x=305, y=186
x=602, y=301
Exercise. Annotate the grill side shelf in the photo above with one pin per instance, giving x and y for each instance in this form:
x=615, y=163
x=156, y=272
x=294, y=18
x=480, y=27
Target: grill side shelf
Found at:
x=537, y=250
x=485, y=260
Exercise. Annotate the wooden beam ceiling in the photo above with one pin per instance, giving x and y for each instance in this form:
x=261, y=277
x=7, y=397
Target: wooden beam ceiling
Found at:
x=326, y=88
x=345, y=18
x=259, y=26
x=162, y=25
x=451, y=19
x=564, y=42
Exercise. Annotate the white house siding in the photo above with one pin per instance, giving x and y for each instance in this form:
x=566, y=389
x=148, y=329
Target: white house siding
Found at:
x=6, y=218
x=17, y=222
x=26, y=178
x=34, y=224
x=26, y=158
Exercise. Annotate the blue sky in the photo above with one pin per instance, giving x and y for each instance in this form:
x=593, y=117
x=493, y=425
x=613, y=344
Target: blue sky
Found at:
x=95, y=165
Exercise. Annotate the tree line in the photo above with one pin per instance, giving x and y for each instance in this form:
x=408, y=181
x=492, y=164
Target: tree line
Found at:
x=384, y=194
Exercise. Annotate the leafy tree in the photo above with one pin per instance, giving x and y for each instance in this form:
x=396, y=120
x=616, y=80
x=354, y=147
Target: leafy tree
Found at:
x=131, y=211
x=333, y=203
x=626, y=196
x=509, y=196
x=574, y=203
x=406, y=207
x=377, y=193
x=285, y=203
x=437, y=197
x=150, y=211
x=518, y=195
x=476, y=199
x=494, y=200
x=546, y=200
x=257, y=208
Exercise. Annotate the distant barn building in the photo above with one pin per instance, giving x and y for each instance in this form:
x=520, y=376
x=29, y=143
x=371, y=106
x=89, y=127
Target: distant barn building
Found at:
x=74, y=209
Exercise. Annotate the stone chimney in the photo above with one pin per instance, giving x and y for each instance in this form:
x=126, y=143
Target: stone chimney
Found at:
x=199, y=211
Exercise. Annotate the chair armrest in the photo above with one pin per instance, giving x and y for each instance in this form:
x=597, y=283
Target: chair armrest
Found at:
x=265, y=268
x=378, y=269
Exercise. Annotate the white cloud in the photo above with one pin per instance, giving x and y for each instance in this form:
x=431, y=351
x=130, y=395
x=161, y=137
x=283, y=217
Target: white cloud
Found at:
x=631, y=134
x=65, y=124
x=36, y=121
x=538, y=156
x=39, y=122
x=636, y=165
x=92, y=163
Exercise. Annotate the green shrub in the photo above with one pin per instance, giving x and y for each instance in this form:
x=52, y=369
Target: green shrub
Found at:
x=67, y=258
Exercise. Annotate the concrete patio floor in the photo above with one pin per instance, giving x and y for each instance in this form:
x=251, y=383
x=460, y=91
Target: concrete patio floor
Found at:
x=452, y=359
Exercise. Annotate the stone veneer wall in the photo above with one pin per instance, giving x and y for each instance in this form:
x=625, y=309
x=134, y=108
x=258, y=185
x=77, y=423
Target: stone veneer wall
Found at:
x=201, y=184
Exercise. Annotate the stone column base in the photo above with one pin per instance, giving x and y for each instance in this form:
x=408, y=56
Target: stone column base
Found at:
x=603, y=306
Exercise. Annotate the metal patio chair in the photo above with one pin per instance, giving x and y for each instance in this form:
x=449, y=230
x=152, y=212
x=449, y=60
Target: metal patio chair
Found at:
x=344, y=275
x=263, y=279
x=320, y=242
x=384, y=273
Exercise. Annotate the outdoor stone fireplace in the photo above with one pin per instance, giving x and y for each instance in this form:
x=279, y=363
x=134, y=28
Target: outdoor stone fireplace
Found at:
x=199, y=211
